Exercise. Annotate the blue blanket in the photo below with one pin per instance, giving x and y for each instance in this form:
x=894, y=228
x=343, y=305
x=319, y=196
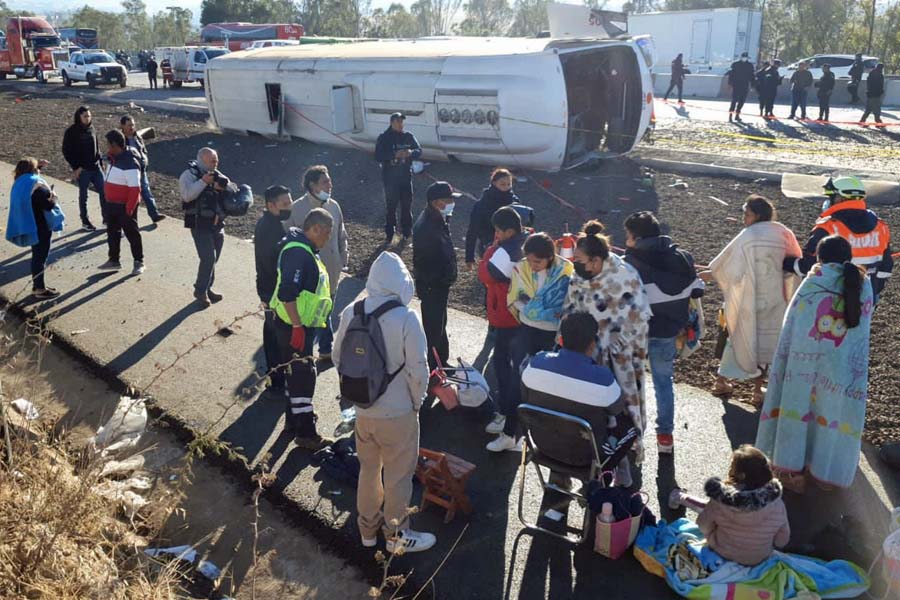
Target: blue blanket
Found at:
x=781, y=577
x=815, y=405
x=21, y=228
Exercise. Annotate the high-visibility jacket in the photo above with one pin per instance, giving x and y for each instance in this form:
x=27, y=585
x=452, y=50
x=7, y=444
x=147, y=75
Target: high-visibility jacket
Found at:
x=868, y=235
x=313, y=307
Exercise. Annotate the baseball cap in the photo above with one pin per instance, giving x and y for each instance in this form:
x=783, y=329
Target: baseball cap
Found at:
x=441, y=190
x=744, y=55
x=398, y=115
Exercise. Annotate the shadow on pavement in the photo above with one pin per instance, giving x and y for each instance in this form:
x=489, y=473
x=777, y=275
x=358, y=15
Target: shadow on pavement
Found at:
x=137, y=351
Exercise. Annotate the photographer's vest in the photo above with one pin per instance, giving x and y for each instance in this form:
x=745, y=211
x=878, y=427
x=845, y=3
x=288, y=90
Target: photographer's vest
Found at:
x=869, y=247
x=204, y=206
x=313, y=307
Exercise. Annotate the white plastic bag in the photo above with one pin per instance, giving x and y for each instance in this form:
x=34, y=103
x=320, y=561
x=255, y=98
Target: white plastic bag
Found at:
x=124, y=428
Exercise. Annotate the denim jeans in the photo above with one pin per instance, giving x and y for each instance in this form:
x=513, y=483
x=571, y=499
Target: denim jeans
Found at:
x=208, y=241
x=798, y=98
x=85, y=180
x=147, y=197
x=39, y=253
x=661, y=352
x=502, y=361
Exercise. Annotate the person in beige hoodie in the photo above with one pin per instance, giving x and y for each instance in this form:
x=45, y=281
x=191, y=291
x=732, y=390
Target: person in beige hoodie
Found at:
x=387, y=432
x=336, y=254
x=745, y=519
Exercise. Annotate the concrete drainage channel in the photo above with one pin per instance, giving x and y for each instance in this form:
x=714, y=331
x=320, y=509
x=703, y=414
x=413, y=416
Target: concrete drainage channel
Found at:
x=194, y=506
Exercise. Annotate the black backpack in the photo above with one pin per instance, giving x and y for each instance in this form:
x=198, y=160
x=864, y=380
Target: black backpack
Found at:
x=363, y=370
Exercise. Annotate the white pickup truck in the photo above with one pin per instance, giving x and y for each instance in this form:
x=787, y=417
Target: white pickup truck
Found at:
x=94, y=67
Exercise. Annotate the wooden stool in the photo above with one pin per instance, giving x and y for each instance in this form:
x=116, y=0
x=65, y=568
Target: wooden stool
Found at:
x=444, y=477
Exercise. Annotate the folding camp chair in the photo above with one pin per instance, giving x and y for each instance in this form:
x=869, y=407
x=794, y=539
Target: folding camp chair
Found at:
x=564, y=444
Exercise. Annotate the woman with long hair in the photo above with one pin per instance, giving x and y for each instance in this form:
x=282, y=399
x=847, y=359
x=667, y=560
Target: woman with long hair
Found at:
x=815, y=410
x=610, y=290
x=756, y=289
x=31, y=198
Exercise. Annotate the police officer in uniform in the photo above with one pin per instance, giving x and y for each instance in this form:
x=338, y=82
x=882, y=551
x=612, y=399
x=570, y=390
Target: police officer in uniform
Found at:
x=302, y=303
x=740, y=76
x=395, y=149
x=845, y=213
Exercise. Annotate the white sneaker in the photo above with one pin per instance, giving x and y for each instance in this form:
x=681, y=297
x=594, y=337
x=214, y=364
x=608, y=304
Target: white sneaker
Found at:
x=505, y=442
x=369, y=542
x=496, y=425
x=411, y=541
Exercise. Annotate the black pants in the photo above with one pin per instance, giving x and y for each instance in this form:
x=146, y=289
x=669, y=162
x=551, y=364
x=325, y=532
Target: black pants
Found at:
x=770, y=102
x=271, y=351
x=825, y=106
x=873, y=107
x=117, y=220
x=679, y=83
x=398, y=195
x=528, y=342
x=39, y=253
x=434, y=321
x=738, y=97
x=853, y=88
x=301, y=380
x=153, y=84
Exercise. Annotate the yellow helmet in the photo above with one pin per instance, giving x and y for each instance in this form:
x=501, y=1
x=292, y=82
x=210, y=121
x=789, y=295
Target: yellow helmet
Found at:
x=845, y=187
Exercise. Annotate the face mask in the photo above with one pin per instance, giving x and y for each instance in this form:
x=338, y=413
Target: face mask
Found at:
x=744, y=59
x=448, y=209
x=284, y=215
x=323, y=196
x=582, y=271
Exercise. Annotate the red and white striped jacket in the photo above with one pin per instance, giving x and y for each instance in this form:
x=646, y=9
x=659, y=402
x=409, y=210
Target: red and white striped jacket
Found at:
x=123, y=180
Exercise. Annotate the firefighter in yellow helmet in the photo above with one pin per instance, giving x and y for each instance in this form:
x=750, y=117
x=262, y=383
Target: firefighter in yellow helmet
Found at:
x=845, y=213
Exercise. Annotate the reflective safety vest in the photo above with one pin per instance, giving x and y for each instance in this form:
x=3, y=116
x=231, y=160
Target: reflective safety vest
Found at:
x=313, y=307
x=869, y=247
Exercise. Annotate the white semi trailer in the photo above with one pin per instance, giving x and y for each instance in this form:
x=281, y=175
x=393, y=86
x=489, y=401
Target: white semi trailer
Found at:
x=710, y=39
x=536, y=103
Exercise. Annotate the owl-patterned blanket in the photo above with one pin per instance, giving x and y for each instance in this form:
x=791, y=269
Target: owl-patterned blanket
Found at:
x=815, y=405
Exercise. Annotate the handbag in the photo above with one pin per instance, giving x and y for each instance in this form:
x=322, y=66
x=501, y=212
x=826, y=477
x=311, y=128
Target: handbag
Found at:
x=55, y=218
x=613, y=540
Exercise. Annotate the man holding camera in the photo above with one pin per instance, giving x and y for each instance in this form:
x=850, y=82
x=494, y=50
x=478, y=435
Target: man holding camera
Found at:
x=202, y=187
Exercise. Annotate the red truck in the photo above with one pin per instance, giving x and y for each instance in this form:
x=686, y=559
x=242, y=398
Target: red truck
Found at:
x=32, y=49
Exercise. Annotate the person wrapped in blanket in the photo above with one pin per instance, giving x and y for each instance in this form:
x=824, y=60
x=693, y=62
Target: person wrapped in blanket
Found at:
x=569, y=381
x=745, y=518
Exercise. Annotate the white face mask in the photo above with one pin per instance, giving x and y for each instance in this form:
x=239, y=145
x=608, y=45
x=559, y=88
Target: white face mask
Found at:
x=323, y=196
x=448, y=209
x=744, y=59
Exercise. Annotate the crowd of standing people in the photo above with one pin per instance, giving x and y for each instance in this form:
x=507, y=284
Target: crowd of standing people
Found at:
x=576, y=333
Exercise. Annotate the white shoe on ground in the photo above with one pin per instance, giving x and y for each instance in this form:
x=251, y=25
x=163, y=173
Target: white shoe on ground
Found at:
x=505, y=443
x=369, y=542
x=496, y=425
x=411, y=541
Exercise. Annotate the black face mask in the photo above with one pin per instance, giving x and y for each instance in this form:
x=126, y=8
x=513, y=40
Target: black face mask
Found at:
x=284, y=215
x=582, y=271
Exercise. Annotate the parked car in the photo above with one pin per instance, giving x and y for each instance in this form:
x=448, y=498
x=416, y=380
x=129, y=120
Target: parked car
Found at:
x=840, y=65
x=94, y=67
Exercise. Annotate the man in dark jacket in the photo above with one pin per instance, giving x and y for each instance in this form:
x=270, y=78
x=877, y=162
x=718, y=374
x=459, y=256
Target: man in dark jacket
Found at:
x=302, y=303
x=152, y=68
x=670, y=281
x=759, y=78
x=845, y=213
x=395, y=149
x=202, y=187
x=82, y=151
x=136, y=142
x=677, y=80
x=874, y=93
x=266, y=245
x=771, y=80
x=856, y=72
x=801, y=81
x=740, y=76
x=434, y=267
x=825, y=87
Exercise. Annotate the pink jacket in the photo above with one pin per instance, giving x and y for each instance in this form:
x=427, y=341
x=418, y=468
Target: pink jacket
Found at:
x=744, y=525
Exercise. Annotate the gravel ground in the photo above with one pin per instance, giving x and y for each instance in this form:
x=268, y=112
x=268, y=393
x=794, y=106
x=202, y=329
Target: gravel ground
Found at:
x=852, y=147
x=609, y=191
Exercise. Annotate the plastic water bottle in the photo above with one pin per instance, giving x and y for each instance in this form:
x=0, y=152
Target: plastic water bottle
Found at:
x=348, y=420
x=606, y=513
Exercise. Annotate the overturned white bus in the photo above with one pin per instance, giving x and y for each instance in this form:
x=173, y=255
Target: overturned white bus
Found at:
x=538, y=103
